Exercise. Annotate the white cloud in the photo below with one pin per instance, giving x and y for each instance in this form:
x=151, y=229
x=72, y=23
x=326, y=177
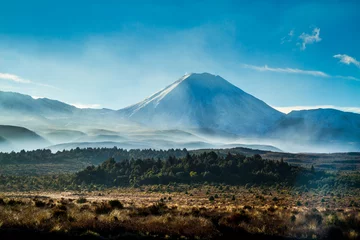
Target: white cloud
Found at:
x=14, y=78
x=288, y=38
x=81, y=105
x=348, y=78
x=17, y=79
x=296, y=71
x=36, y=97
x=286, y=70
x=291, y=33
x=346, y=59
x=297, y=108
x=310, y=38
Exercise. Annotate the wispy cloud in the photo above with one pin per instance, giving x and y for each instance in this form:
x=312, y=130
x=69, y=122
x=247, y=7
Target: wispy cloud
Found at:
x=346, y=59
x=296, y=71
x=297, y=108
x=14, y=78
x=81, y=105
x=310, y=38
x=348, y=77
x=286, y=70
x=17, y=79
x=288, y=38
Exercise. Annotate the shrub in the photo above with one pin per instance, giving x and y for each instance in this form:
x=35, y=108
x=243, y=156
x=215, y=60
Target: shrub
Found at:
x=271, y=209
x=211, y=198
x=314, y=216
x=103, y=208
x=158, y=208
x=59, y=213
x=116, y=204
x=237, y=218
x=81, y=200
x=13, y=202
x=39, y=203
x=61, y=207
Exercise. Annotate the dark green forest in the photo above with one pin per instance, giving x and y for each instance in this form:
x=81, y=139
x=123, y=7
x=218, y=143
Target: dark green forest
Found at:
x=204, y=168
x=88, y=155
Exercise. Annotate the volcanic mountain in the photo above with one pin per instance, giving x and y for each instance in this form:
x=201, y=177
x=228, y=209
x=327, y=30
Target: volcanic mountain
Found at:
x=204, y=101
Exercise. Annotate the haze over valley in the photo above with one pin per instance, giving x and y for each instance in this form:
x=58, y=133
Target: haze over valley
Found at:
x=199, y=110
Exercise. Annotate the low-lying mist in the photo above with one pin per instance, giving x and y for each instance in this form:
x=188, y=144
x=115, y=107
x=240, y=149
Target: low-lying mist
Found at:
x=141, y=137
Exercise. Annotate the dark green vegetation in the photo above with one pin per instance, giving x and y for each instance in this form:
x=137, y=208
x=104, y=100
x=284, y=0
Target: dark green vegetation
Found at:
x=40, y=162
x=200, y=168
x=207, y=167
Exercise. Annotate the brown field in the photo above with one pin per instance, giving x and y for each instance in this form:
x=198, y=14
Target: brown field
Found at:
x=186, y=212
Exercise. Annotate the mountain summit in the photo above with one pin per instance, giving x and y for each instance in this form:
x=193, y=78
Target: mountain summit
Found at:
x=204, y=101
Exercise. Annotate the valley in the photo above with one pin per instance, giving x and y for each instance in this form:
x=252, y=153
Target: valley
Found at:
x=199, y=110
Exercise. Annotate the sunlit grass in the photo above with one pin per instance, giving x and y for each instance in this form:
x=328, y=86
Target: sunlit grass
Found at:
x=182, y=212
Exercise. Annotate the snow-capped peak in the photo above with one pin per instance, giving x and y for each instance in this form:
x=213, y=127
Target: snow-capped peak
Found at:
x=203, y=101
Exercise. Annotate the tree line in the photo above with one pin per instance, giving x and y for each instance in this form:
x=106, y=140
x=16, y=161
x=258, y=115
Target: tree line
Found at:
x=203, y=168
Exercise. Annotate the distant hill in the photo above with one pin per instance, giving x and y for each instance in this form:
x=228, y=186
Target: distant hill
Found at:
x=322, y=126
x=254, y=147
x=44, y=114
x=21, y=138
x=61, y=136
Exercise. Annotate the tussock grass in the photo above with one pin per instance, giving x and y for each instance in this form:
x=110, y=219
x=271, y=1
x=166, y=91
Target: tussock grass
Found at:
x=141, y=212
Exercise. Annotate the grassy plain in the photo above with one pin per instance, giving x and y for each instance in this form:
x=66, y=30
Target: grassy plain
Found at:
x=183, y=212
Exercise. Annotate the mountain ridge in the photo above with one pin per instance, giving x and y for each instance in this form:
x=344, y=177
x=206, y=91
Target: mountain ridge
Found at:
x=203, y=101
x=21, y=138
x=198, y=103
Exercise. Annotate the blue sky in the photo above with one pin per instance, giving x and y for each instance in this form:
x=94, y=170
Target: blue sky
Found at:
x=290, y=54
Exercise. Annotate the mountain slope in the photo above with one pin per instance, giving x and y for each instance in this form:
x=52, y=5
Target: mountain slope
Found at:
x=204, y=101
x=319, y=125
x=61, y=136
x=15, y=102
x=43, y=114
x=22, y=138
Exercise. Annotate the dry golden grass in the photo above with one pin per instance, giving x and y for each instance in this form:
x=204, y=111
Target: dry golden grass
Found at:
x=184, y=212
